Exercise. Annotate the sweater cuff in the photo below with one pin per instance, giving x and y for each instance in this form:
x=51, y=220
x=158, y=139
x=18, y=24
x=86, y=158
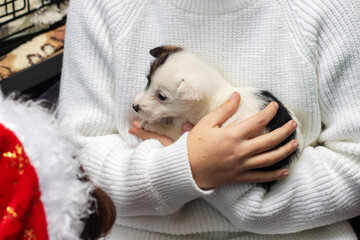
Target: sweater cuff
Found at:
x=171, y=176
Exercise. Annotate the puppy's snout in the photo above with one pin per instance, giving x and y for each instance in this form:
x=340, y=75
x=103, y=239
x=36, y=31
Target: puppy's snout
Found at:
x=136, y=107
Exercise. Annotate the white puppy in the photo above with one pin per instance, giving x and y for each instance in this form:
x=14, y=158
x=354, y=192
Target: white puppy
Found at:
x=181, y=87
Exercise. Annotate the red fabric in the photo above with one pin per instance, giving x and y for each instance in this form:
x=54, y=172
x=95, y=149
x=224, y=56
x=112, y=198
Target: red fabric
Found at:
x=22, y=214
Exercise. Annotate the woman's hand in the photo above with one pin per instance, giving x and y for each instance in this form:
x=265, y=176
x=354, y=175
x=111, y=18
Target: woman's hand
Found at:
x=220, y=156
x=145, y=135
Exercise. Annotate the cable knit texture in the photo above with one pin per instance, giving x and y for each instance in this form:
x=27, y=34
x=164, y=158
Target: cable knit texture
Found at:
x=304, y=51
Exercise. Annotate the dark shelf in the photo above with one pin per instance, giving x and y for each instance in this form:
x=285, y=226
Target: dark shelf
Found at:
x=37, y=75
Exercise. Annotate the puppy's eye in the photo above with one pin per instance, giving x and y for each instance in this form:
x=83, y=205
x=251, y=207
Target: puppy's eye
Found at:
x=161, y=97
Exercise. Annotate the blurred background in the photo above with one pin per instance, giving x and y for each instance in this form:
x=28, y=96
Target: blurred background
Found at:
x=32, y=36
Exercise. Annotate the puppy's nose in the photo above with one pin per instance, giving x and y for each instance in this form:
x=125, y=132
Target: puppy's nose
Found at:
x=136, y=107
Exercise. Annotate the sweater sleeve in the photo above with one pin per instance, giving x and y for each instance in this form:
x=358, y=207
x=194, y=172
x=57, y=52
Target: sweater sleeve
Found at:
x=323, y=186
x=147, y=179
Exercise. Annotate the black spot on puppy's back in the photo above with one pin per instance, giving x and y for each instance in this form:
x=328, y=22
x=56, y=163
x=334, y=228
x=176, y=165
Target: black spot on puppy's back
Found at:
x=282, y=117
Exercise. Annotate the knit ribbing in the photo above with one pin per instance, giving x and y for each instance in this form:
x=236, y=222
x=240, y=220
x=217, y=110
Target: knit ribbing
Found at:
x=211, y=7
x=305, y=52
x=337, y=231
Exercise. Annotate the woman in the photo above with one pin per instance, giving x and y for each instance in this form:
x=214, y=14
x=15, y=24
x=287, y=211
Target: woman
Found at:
x=305, y=52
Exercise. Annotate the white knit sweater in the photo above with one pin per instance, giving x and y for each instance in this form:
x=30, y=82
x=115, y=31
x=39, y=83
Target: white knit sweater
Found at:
x=306, y=52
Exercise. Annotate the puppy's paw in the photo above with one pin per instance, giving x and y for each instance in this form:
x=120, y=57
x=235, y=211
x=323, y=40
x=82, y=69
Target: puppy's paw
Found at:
x=152, y=127
x=149, y=126
x=144, y=124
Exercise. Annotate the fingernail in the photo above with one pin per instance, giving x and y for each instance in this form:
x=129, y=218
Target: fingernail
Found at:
x=136, y=124
x=233, y=96
x=285, y=174
x=295, y=145
x=294, y=124
x=131, y=131
x=276, y=105
x=187, y=127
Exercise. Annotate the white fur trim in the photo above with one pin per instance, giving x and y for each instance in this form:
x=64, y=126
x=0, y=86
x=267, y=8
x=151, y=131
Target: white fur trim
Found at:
x=66, y=199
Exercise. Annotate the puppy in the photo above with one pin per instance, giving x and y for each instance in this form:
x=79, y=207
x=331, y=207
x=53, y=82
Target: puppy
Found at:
x=181, y=87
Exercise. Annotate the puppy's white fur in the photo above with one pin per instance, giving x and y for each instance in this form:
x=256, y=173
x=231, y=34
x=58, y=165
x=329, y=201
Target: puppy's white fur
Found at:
x=192, y=89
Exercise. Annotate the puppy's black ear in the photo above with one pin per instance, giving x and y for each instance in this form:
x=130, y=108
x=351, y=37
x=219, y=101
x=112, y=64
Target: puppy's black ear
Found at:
x=157, y=52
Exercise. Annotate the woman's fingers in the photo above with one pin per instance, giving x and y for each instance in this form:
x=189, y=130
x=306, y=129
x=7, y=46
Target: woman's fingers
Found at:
x=223, y=112
x=255, y=124
x=261, y=176
x=272, y=139
x=145, y=135
x=271, y=157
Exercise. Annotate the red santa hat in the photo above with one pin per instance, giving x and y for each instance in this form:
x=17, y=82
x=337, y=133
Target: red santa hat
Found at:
x=41, y=196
